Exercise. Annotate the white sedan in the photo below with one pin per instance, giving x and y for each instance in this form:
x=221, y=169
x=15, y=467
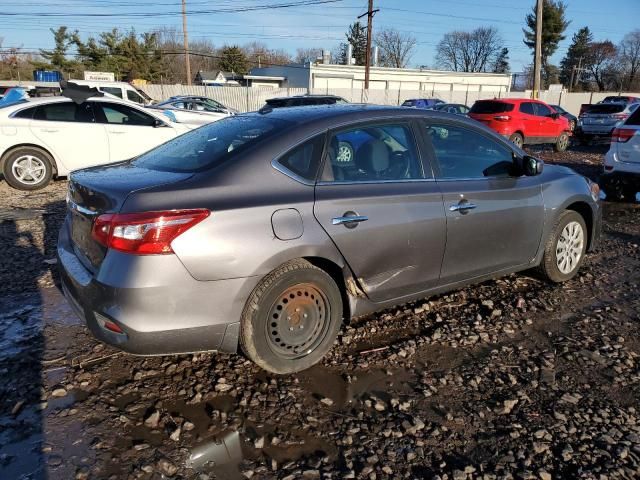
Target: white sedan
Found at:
x=193, y=110
x=45, y=137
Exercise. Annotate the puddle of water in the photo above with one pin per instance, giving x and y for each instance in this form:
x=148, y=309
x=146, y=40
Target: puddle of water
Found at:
x=220, y=457
x=344, y=389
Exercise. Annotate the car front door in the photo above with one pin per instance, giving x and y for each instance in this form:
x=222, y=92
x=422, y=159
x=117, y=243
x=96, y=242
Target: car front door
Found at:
x=494, y=216
x=531, y=122
x=549, y=126
x=383, y=211
x=130, y=131
x=71, y=133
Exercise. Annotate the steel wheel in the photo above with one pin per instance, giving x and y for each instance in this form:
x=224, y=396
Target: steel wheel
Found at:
x=298, y=321
x=517, y=140
x=28, y=169
x=569, y=247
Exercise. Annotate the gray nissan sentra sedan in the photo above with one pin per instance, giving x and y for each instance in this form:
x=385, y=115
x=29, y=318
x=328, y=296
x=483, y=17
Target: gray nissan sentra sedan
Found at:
x=271, y=229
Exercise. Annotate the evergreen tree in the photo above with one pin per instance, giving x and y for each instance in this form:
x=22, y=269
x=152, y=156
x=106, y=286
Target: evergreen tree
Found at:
x=576, y=55
x=57, y=58
x=554, y=25
x=501, y=64
x=357, y=37
x=233, y=59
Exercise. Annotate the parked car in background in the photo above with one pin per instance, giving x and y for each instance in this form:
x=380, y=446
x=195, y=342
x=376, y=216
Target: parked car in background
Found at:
x=600, y=119
x=523, y=121
x=53, y=136
x=194, y=110
x=621, y=176
x=303, y=100
x=422, y=102
x=573, y=120
x=122, y=90
x=253, y=230
x=457, y=108
x=620, y=99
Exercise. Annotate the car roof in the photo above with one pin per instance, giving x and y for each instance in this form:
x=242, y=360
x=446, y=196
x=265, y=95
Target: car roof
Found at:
x=303, y=96
x=329, y=116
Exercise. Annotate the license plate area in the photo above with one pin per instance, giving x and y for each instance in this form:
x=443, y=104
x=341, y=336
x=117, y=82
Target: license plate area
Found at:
x=80, y=230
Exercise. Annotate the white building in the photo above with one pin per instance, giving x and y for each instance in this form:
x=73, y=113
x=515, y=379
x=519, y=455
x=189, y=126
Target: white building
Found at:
x=318, y=77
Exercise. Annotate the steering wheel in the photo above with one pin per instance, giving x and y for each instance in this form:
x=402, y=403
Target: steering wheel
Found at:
x=345, y=153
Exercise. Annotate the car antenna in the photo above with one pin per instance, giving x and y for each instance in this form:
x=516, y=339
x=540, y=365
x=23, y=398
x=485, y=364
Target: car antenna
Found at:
x=78, y=93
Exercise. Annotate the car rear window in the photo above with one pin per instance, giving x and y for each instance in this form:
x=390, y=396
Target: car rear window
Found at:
x=634, y=119
x=605, y=108
x=212, y=144
x=491, y=107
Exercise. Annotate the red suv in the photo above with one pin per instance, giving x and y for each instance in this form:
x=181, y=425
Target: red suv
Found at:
x=524, y=121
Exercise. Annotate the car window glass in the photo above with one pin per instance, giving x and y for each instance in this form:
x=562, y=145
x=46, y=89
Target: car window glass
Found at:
x=464, y=109
x=26, y=113
x=212, y=144
x=124, y=115
x=65, y=112
x=634, y=118
x=527, y=107
x=462, y=153
x=542, y=110
x=180, y=105
x=383, y=152
x=134, y=97
x=113, y=91
x=304, y=159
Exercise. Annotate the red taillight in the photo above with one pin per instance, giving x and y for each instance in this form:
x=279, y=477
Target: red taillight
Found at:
x=502, y=118
x=620, y=116
x=144, y=233
x=109, y=325
x=622, y=135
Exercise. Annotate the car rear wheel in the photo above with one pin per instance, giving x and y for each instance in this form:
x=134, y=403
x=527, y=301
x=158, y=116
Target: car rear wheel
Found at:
x=562, y=142
x=292, y=318
x=565, y=247
x=517, y=139
x=27, y=168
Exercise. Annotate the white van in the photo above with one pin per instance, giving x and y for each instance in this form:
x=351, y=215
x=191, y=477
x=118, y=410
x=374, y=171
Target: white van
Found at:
x=122, y=90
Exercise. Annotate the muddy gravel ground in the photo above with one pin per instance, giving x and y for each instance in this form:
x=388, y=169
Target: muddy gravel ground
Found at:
x=512, y=378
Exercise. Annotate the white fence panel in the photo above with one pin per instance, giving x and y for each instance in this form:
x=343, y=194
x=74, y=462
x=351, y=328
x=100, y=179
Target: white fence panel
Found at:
x=246, y=99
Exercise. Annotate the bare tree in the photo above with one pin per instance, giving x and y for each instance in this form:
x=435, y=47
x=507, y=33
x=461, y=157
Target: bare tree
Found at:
x=304, y=55
x=259, y=54
x=629, y=51
x=474, y=51
x=601, y=63
x=396, y=48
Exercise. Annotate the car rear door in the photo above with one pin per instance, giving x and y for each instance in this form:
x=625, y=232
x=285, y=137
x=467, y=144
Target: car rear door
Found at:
x=382, y=209
x=494, y=219
x=130, y=130
x=69, y=131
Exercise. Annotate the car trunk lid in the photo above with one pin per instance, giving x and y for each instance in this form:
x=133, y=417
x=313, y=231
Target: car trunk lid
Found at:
x=104, y=189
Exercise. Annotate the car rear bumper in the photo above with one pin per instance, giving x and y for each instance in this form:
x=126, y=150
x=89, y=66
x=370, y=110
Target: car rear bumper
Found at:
x=158, y=305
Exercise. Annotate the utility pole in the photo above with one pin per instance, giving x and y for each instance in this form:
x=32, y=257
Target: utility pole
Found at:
x=538, y=53
x=187, y=62
x=575, y=69
x=370, y=13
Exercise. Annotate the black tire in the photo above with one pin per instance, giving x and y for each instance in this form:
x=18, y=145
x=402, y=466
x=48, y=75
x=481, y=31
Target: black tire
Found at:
x=549, y=265
x=517, y=139
x=616, y=189
x=562, y=142
x=295, y=296
x=40, y=161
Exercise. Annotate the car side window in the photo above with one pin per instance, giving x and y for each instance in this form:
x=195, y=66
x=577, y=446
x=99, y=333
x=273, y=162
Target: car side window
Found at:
x=527, y=107
x=26, y=113
x=304, y=159
x=542, y=110
x=134, y=97
x=65, y=112
x=377, y=152
x=125, y=115
x=462, y=153
x=113, y=91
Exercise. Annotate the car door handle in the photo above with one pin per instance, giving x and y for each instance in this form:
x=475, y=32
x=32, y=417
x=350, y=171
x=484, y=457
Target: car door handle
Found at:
x=348, y=219
x=462, y=207
x=119, y=132
x=49, y=130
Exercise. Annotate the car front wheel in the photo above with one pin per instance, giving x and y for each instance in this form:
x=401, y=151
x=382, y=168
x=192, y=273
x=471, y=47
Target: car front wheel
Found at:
x=562, y=143
x=27, y=168
x=565, y=248
x=291, y=318
x=517, y=140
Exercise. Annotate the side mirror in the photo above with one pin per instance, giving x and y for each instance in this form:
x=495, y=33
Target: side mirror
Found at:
x=555, y=115
x=532, y=166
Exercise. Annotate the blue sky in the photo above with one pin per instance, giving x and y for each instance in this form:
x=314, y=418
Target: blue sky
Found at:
x=317, y=26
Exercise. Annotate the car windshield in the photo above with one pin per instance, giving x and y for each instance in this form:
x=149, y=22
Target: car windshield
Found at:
x=211, y=145
x=491, y=107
